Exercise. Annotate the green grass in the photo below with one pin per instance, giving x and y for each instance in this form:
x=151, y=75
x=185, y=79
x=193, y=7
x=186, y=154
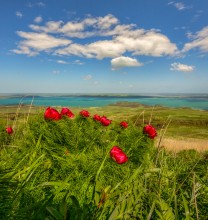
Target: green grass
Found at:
x=63, y=170
x=184, y=122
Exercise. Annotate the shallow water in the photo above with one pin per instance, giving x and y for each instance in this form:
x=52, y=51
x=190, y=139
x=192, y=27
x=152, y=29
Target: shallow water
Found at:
x=190, y=101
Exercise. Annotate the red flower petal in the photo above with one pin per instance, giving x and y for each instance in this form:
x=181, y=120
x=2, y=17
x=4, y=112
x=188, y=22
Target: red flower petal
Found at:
x=96, y=117
x=124, y=124
x=118, y=155
x=150, y=131
x=67, y=112
x=104, y=121
x=85, y=113
x=51, y=113
x=9, y=130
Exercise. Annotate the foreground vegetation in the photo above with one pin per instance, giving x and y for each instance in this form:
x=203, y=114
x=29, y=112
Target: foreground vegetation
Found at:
x=62, y=169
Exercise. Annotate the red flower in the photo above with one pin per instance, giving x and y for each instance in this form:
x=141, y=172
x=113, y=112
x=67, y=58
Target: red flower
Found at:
x=85, y=113
x=104, y=121
x=150, y=131
x=67, y=112
x=96, y=117
x=9, y=130
x=118, y=155
x=124, y=124
x=51, y=113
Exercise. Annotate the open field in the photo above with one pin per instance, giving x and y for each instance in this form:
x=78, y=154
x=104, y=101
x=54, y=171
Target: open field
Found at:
x=65, y=169
x=180, y=128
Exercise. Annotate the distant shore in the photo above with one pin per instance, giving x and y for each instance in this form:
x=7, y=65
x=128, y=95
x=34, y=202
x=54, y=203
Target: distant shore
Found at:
x=135, y=95
x=194, y=101
x=127, y=104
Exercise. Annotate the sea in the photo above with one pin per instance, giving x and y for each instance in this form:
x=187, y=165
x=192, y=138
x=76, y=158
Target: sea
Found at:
x=194, y=101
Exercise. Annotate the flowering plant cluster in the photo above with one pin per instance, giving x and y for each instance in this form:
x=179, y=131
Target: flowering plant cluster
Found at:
x=67, y=112
x=116, y=153
x=84, y=114
x=103, y=120
x=53, y=114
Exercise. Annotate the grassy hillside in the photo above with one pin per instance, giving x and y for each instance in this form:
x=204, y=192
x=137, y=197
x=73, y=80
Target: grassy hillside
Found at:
x=182, y=122
x=65, y=169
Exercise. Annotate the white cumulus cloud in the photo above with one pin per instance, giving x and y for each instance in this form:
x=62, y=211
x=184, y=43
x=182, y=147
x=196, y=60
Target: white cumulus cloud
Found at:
x=38, y=19
x=36, y=42
x=108, y=38
x=37, y=4
x=181, y=67
x=107, y=21
x=98, y=49
x=149, y=43
x=77, y=62
x=139, y=42
x=41, y=4
x=61, y=62
x=200, y=41
x=120, y=62
x=87, y=77
x=50, y=27
x=179, y=5
x=19, y=14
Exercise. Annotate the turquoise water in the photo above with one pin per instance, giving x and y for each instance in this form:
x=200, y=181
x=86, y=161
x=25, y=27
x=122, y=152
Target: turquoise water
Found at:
x=196, y=101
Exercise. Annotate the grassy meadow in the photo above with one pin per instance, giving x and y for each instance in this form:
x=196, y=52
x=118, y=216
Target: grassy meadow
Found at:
x=63, y=169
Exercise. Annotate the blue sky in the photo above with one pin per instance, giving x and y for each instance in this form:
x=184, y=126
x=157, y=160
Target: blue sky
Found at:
x=104, y=46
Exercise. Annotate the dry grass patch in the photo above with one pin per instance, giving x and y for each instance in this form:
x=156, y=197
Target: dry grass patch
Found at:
x=173, y=144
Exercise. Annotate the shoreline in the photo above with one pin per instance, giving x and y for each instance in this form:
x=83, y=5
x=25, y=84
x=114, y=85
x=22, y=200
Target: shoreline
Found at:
x=107, y=100
x=191, y=101
x=123, y=104
x=106, y=95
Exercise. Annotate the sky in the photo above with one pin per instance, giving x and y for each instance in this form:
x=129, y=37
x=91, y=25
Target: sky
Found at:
x=104, y=46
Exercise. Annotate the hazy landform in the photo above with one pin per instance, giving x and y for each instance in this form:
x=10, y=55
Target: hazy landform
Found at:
x=188, y=95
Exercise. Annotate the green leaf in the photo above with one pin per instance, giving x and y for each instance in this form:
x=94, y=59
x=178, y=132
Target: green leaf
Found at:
x=57, y=215
x=186, y=207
